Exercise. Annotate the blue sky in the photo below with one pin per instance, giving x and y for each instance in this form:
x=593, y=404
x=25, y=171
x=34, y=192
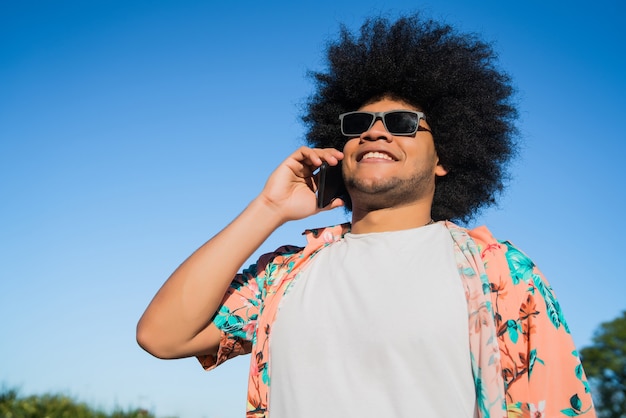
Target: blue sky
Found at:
x=131, y=132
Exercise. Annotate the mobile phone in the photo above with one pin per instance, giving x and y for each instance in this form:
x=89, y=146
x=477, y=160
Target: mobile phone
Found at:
x=329, y=184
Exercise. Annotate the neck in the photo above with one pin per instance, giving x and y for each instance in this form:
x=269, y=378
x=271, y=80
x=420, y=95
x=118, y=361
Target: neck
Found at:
x=390, y=219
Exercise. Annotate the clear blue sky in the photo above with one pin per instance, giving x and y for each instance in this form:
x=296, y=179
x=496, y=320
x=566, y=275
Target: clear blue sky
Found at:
x=132, y=131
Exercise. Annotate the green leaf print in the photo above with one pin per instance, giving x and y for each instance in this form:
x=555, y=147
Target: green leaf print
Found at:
x=522, y=270
x=230, y=323
x=575, y=410
x=576, y=402
x=521, y=267
x=532, y=360
x=569, y=412
x=513, y=330
x=579, y=371
x=552, y=305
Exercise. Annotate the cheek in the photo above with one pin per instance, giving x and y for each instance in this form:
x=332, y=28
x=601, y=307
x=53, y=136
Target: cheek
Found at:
x=349, y=156
x=350, y=145
x=350, y=150
x=425, y=158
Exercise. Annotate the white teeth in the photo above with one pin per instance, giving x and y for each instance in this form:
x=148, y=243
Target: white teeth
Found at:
x=377, y=155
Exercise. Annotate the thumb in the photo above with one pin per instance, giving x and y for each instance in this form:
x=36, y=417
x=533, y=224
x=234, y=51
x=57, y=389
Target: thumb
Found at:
x=334, y=204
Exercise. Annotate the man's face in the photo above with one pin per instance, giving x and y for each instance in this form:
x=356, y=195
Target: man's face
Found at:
x=382, y=170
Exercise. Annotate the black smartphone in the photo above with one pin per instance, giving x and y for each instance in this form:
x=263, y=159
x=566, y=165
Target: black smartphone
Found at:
x=329, y=184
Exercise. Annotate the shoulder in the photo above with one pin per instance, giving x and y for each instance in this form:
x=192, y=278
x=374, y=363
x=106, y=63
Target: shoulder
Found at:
x=512, y=274
x=485, y=240
x=503, y=253
x=287, y=255
x=500, y=258
x=492, y=248
x=477, y=240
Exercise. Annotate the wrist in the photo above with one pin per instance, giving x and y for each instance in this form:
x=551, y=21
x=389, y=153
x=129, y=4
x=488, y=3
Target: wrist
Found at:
x=266, y=212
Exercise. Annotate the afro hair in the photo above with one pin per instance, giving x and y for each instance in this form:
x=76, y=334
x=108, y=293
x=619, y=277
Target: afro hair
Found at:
x=450, y=76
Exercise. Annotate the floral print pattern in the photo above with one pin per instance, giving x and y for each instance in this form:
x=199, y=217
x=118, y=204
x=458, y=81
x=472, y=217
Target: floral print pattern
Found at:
x=523, y=359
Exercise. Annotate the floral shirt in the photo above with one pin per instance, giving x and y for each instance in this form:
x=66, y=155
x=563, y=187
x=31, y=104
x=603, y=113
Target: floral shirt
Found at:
x=524, y=361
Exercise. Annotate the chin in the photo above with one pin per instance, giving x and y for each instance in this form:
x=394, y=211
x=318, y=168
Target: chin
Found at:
x=372, y=195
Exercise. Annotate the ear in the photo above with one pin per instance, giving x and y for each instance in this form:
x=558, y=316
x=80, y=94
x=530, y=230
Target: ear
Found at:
x=440, y=170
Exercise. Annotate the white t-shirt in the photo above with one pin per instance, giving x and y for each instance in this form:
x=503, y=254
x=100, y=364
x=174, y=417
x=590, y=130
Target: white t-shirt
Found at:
x=376, y=326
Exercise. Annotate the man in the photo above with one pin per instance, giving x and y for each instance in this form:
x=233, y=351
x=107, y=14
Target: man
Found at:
x=401, y=313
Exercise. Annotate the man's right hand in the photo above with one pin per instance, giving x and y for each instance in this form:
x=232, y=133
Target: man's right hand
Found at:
x=290, y=189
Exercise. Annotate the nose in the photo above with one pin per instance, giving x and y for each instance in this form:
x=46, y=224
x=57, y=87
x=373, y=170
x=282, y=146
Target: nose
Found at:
x=377, y=132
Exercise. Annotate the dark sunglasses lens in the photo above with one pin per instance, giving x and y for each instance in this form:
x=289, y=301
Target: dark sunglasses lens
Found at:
x=401, y=123
x=356, y=123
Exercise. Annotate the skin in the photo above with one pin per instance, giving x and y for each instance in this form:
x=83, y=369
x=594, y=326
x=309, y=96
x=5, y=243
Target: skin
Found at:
x=395, y=192
x=387, y=195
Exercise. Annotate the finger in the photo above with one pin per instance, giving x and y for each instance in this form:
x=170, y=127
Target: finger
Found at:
x=311, y=182
x=334, y=204
x=305, y=161
x=331, y=156
x=314, y=157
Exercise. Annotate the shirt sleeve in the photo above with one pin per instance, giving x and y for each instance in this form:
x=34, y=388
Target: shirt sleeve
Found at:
x=541, y=367
x=238, y=313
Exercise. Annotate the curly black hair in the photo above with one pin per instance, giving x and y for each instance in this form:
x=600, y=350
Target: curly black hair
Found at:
x=450, y=76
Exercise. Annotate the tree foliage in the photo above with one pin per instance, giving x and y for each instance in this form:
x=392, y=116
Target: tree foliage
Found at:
x=605, y=365
x=12, y=405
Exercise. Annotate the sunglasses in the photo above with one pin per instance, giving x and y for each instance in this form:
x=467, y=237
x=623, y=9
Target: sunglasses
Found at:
x=396, y=122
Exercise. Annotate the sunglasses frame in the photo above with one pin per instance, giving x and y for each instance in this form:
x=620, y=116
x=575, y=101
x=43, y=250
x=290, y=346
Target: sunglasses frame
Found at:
x=381, y=116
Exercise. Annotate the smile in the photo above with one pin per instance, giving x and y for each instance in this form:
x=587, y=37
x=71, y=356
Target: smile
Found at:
x=376, y=155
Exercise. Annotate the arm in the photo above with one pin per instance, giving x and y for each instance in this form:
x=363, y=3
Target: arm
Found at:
x=177, y=323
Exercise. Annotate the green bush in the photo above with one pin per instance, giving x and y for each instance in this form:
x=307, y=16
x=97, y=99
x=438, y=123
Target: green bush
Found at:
x=12, y=405
x=605, y=364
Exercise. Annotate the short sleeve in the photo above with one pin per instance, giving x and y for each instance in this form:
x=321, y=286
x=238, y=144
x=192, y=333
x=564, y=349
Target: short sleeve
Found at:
x=236, y=318
x=238, y=314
